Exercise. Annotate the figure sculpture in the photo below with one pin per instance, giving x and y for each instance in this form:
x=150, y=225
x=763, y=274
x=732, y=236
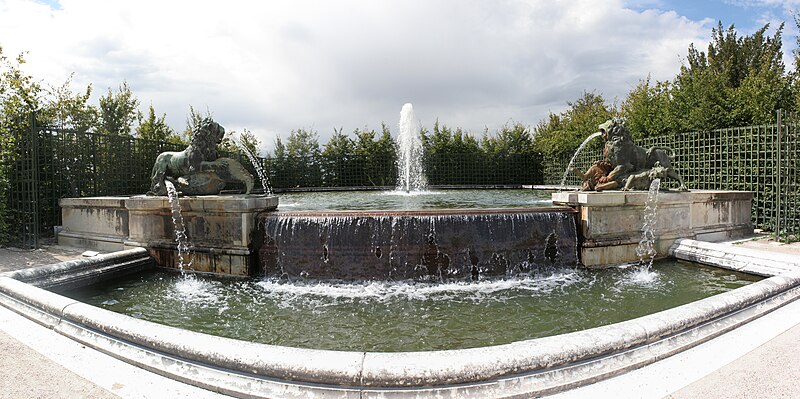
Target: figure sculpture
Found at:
x=197, y=170
x=632, y=165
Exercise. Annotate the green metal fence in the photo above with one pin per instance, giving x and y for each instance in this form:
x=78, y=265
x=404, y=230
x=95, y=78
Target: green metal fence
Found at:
x=48, y=164
x=763, y=159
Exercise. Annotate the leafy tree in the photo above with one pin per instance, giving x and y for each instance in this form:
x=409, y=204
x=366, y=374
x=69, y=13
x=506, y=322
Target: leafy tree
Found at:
x=156, y=129
x=118, y=111
x=648, y=109
x=20, y=103
x=250, y=141
x=71, y=111
x=339, y=162
x=378, y=154
x=303, y=158
x=738, y=81
x=512, y=156
x=559, y=135
x=452, y=157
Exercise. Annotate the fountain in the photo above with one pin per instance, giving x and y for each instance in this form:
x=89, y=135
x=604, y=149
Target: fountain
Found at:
x=457, y=262
x=411, y=176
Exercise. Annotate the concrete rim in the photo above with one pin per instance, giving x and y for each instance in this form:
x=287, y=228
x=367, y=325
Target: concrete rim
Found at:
x=532, y=367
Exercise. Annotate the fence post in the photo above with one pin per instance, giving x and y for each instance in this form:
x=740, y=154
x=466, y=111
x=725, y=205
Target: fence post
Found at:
x=778, y=174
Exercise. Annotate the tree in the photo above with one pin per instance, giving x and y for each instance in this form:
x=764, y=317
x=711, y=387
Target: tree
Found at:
x=303, y=158
x=20, y=103
x=648, y=109
x=156, y=129
x=560, y=135
x=738, y=81
x=378, y=155
x=338, y=160
x=118, y=111
x=71, y=111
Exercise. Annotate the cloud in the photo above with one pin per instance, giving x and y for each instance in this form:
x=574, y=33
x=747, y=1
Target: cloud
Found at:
x=276, y=66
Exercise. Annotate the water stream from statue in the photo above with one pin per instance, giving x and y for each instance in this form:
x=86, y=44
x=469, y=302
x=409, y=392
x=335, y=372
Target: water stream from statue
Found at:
x=256, y=164
x=575, y=156
x=184, y=258
x=646, y=249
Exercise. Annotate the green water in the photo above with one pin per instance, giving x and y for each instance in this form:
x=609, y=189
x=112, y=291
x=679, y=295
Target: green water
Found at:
x=398, y=200
x=409, y=316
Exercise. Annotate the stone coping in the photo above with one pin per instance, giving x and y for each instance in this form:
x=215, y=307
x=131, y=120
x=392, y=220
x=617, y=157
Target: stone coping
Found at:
x=622, y=198
x=423, y=212
x=730, y=256
x=520, y=369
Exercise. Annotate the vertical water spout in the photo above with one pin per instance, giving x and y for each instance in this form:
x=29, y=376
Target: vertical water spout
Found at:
x=646, y=249
x=180, y=227
x=410, y=173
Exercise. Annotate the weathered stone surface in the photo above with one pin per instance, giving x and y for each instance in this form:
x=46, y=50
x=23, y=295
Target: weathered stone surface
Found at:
x=399, y=245
x=611, y=222
x=220, y=228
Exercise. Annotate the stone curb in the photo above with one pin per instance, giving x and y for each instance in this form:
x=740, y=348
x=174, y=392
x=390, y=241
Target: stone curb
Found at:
x=520, y=369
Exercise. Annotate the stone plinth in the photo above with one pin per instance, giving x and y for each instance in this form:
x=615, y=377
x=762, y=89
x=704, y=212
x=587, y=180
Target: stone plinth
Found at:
x=611, y=222
x=220, y=228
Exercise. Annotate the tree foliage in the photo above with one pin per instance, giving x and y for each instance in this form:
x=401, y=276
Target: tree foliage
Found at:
x=559, y=135
x=118, y=111
x=156, y=129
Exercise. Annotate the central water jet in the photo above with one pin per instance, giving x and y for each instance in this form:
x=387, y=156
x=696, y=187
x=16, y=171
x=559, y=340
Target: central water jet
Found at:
x=410, y=173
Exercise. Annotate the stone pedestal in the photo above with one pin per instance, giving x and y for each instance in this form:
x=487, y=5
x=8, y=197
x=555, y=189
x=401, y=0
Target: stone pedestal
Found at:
x=220, y=228
x=611, y=222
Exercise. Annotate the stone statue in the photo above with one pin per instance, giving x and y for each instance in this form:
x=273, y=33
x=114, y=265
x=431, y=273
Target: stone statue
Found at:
x=591, y=177
x=633, y=167
x=197, y=170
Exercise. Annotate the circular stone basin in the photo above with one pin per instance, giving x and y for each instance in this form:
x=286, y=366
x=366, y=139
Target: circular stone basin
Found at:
x=387, y=316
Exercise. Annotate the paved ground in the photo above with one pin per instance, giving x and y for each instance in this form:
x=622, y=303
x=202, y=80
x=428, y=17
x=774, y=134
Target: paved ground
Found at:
x=24, y=373
x=771, y=370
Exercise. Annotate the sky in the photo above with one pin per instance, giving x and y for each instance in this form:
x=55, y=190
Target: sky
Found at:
x=275, y=66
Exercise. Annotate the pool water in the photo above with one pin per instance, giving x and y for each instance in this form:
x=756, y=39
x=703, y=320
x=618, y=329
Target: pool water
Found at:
x=409, y=315
x=400, y=200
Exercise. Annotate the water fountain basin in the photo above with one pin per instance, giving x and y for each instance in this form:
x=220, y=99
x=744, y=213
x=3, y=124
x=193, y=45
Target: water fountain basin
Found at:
x=533, y=367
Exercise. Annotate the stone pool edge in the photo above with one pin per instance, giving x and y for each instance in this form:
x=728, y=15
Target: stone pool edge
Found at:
x=524, y=368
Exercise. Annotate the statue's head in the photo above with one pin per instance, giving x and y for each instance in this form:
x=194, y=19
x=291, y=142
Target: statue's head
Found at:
x=615, y=129
x=207, y=136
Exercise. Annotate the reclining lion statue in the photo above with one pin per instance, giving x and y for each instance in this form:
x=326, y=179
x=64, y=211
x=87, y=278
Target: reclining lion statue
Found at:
x=630, y=162
x=197, y=170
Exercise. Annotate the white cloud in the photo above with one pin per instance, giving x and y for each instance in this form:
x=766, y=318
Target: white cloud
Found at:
x=276, y=66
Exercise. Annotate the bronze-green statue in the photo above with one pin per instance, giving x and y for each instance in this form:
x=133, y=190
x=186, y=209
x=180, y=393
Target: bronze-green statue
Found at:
x=633, y=167
x=197, y=170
